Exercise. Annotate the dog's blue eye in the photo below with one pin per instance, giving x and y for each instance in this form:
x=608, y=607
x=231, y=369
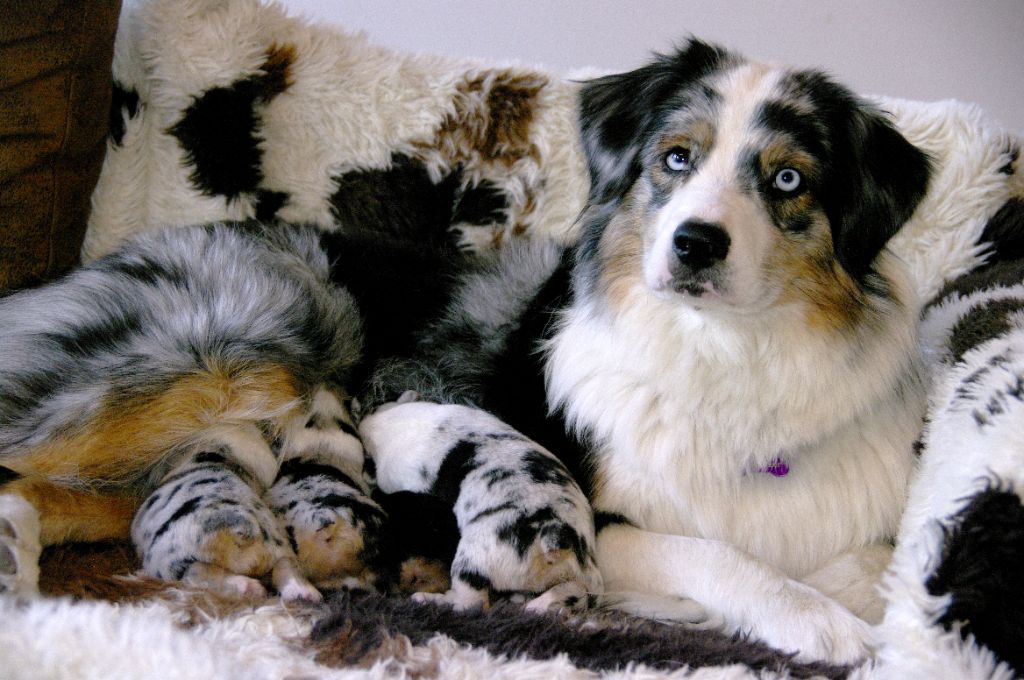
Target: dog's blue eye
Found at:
x=787, y=180
x=678, y=160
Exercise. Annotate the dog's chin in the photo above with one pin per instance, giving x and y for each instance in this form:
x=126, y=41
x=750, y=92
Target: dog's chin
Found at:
x=699, y=294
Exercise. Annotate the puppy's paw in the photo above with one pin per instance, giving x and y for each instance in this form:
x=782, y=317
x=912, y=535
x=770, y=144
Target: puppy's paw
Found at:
x=242, y=586
x=570, y=595
x=461, y=599
x=299, y=590
x=19, y=547
x=816, y=628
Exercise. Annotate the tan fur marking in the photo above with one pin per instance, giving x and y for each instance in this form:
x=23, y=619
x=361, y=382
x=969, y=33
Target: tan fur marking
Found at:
x=330, y=553
x=245, y=555
x=277, y=68
x=69, y=514
x=811, y=275
x=128, y=438
x=621, y=253
x=423, y=575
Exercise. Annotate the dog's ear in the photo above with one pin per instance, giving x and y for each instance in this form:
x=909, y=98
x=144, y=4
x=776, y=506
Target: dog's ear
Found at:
x=877, y=181
x=617, y=113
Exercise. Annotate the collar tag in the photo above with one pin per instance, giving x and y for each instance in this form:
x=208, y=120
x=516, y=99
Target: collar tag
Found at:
x=777, y=468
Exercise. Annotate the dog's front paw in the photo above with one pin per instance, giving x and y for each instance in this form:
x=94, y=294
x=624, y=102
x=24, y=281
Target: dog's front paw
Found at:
x=19, y=547
x=662, y=608
x=817, y=629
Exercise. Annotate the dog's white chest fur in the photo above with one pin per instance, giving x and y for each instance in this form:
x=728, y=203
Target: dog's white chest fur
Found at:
x=695, y=405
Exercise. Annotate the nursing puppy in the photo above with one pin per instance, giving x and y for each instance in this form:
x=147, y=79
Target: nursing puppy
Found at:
x=206, y=525
x=740, y=351
x=524, y=525
x=323, y=500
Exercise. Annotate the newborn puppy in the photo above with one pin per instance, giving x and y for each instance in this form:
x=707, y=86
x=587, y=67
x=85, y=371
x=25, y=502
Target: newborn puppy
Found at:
x=322, y=498
x=205, y=524
x=524, y=524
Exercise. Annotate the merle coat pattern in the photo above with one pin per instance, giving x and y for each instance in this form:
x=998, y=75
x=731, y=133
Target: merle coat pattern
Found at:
x=205, y=524
x=322, y=497
x=524, y=524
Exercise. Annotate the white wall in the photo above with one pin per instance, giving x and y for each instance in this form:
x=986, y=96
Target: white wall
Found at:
x=972, y=50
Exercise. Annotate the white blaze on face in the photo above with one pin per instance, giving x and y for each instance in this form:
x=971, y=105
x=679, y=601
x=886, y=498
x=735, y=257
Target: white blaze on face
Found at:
x=715, y=192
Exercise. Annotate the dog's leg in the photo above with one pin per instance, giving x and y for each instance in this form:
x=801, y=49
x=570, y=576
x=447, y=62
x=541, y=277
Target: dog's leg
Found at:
x=212, y=577
x=751, y=596
x=19, y=546
x=852, y=580
x=291, y=584
x=36, y=512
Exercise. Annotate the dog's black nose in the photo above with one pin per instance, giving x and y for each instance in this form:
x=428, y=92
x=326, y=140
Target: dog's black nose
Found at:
x=699, y=244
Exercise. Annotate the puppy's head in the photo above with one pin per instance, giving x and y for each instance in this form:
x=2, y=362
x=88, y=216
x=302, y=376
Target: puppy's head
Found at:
x=740, y=186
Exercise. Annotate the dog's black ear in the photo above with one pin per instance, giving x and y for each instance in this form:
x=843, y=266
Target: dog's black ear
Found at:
x=877, y=181
x=617, y=112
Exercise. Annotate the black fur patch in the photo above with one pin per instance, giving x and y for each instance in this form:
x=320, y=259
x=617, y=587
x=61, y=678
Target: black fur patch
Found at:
x=483, y=203
x=268, y=203
x=187, y=508
x=418, y=524
x=984, y=322
x=458, y=462
x=123, y=102
x=1000, y=274
x=487, y=512
x=1005, y=233
x=7, y=475
x=474, y=579
x=219, y=131
x=521, y=533
x=400, y=201
x=109, y=333
x=544, y=469
x=607, y=519
x=179, y=567
x=982, y=563
x=297, y=468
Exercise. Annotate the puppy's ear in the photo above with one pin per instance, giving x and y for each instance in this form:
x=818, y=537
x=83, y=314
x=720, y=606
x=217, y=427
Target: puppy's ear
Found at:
x=618, y=112
x=878, y=180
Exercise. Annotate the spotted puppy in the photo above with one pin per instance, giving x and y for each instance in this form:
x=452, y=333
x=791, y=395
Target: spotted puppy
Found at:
x=205, y=524
x=322, y=497
x=525, y=526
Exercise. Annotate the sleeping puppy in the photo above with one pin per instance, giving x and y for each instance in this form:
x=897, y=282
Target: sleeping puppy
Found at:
x=205, y=524
x=740, y=351
x=524, y=525
x=322, y=497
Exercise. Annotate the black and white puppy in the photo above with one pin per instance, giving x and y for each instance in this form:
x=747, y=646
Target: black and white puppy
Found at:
x=740, y=352
x=524, y=525
x=322, y=497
